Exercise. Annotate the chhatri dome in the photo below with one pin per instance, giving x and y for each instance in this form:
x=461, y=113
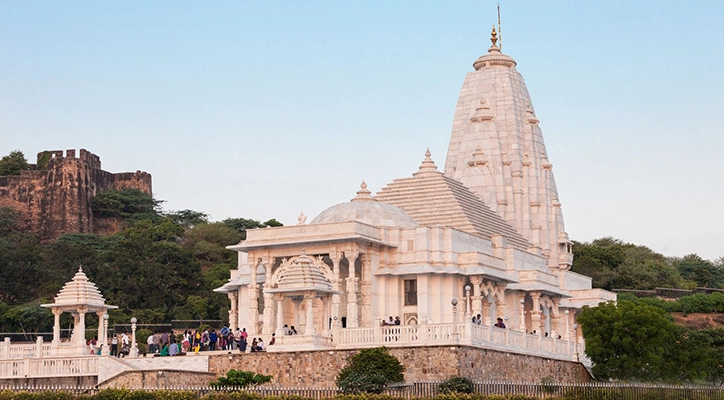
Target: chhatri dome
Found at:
x=366, y=209
x=497, y=150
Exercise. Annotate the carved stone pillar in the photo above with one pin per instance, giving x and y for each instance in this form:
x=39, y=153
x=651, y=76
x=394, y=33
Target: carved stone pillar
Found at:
x=254, y=298
x=79, y=330
x=477, y=297
x=101, y=332
x=268, y=316
x=500, y=306
x=486, y=311
x=234, y=311
x=254, y=308
x=279, y=298
x=366, y=289
x=352, y=319
x=56, y=326
x=336, y=286
x=309, y=298
x=555, y=318
x=535, y=312
x=297, y=301
x=325, y=322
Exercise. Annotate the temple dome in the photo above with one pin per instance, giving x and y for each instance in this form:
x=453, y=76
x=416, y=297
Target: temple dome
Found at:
x=367, y=210
x=302, y=274
x=80, y=292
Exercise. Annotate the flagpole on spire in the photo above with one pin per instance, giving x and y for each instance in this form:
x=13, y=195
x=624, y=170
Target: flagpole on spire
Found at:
x=500, y=33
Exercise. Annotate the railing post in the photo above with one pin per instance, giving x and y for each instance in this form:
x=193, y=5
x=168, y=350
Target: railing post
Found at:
x=6, y=348
x=422, y=332
x=378, y=334
x=26, y=367
x=39, y=347
x=468, y=330
x=507, y=340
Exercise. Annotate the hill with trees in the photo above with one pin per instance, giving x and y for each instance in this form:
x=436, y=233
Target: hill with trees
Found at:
x=160, y=266
x=614, y=264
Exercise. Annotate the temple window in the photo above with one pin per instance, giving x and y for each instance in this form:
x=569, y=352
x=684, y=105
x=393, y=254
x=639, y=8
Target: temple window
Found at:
x=410, y=292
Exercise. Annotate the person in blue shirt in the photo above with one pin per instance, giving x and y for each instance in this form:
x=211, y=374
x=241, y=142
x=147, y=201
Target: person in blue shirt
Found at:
x=213, y=337
x=173, y=348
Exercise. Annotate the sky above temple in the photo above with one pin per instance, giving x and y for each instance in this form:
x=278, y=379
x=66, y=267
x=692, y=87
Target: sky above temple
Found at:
x=264, y=110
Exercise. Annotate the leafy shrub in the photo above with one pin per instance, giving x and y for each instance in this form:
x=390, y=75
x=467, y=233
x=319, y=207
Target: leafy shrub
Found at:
x=241, y=379
x=456, y=384
x=370, y=371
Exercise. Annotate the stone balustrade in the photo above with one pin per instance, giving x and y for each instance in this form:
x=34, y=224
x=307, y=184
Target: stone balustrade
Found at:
x=49, y=367
x=482, y=336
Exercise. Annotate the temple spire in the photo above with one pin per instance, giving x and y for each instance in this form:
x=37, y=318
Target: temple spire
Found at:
x=494, y=37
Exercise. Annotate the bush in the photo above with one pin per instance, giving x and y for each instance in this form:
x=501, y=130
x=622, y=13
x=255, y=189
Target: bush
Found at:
x=241, y=379
x=370, y=371
x=456, y=384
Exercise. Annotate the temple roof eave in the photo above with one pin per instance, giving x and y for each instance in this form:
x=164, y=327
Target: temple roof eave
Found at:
x=75, y=306
x=411, y=269
x=537, y=287
x=327, y=233
x=301, y=291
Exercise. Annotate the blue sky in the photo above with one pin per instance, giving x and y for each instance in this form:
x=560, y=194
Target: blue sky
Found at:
x=262, y=110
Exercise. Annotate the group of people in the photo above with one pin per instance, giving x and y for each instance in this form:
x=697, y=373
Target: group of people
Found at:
x=96, y=347
x=165, y=344
x=477, y=320
x=387, y=322
x=226, y=339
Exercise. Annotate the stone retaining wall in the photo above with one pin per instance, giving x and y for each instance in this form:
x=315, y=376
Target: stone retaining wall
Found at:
x=159, y=380
x=319, y=368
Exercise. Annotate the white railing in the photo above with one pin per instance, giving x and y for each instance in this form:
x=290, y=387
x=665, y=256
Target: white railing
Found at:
x=49, y=367
x=483, y=336
x=9, y=351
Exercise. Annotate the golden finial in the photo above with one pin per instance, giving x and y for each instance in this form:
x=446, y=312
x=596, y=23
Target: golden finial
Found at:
x=494, y=36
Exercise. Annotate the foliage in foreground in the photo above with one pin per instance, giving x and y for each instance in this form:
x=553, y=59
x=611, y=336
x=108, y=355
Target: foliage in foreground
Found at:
x=631, y=341
x=569, y=393
x=370, y=371
x=456, y=384
x=241, y=379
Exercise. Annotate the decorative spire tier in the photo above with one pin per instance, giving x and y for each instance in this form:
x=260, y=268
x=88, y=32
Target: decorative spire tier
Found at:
x=497, y=150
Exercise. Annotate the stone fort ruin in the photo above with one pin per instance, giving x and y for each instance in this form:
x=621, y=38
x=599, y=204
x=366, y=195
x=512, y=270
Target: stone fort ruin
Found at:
x=54, y=196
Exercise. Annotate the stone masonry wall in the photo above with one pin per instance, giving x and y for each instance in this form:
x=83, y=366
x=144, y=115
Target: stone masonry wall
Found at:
x=57, y=199
x=319, y=368
x=159, y=380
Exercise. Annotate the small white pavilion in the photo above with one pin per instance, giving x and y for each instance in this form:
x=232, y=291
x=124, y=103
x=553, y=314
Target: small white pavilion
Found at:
x=79, y=297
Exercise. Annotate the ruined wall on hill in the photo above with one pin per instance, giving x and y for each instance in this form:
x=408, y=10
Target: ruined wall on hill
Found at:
x=55, y=198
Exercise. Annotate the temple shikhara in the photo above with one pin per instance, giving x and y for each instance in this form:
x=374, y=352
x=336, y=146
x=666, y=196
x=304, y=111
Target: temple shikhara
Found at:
x=483, y=236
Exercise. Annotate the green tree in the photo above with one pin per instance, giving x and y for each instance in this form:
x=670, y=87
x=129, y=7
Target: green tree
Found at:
x=703, y=272
x=129, y=205
x=144, y=267
x=208, y=241
x=628, y=341
x=242, y=224
x=20, y=269
x=30, y=318
x=9, y=221
x=188, y=218
x=13, y=163
x=370, y=371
